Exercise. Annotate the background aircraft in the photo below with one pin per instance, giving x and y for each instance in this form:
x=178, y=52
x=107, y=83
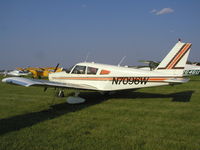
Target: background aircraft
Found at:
x=38, y=72
x=16, y=73
x=190, y=69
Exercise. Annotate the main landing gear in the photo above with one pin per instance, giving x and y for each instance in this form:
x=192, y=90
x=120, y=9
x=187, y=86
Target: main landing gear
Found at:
x=60, y=93
x=71, y=99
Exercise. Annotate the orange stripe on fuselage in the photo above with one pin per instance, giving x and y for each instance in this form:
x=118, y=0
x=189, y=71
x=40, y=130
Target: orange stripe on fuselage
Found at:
x=157, y=79
x=153, y=79
x=84, y=78
x=177, y=58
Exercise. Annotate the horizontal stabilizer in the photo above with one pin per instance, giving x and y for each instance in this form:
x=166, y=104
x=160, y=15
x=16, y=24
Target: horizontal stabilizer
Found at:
x=177, y=80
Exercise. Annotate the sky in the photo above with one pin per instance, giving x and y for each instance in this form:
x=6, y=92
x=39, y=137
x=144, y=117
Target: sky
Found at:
x=42, y=33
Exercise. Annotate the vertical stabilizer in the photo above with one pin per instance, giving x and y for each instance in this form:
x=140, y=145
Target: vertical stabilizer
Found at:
x=175, y=61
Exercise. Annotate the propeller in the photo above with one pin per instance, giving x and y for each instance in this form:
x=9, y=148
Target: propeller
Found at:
x=56, y=67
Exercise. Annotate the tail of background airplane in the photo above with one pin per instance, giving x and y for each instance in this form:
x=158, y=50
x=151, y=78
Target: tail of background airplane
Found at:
x=175, y=61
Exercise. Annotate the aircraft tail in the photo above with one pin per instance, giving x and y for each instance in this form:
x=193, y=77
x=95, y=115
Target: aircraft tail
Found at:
x=175, y=61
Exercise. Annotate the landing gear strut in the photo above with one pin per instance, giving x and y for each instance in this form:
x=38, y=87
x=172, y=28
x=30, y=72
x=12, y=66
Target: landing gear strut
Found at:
x=60, y=93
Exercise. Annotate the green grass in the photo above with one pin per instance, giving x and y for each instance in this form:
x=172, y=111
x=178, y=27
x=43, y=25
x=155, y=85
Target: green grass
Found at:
x=159, y=118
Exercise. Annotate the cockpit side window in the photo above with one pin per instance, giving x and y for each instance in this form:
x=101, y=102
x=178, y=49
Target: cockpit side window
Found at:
x=79, y=70
x=92, y=70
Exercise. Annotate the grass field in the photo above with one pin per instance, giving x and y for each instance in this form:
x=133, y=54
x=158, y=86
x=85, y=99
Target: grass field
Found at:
x=159, y=118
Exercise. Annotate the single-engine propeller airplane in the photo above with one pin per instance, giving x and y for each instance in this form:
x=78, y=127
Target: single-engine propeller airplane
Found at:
x=42, y=71
x=108, y=78
x=16, y=73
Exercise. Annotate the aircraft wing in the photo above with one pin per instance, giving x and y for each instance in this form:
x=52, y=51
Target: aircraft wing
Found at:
x=46, y=83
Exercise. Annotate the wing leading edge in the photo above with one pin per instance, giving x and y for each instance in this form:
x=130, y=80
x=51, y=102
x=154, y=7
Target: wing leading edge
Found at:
x=35, y=82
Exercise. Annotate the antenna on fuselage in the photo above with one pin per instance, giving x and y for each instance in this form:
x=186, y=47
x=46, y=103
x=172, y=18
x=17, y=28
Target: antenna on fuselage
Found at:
x=121, y=60
x=87, y=56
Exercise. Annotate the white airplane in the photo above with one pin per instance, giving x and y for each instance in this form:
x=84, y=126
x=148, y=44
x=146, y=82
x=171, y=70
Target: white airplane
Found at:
x=108, y=78
x=16, y=73
x=191, y=70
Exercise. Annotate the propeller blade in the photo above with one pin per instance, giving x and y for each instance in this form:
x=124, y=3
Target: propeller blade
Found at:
x=56, y=67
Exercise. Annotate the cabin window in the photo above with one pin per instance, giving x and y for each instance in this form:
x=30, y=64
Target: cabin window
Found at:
x=104, y=72
x=92, y=70
x=79, y=70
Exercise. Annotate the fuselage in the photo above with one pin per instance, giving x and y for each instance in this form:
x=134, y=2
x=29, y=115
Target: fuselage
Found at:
x=17, y=73
x=108, y=77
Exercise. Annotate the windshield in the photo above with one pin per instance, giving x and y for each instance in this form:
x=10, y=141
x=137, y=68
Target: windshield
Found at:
x=79, y=70
x=68, y=70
